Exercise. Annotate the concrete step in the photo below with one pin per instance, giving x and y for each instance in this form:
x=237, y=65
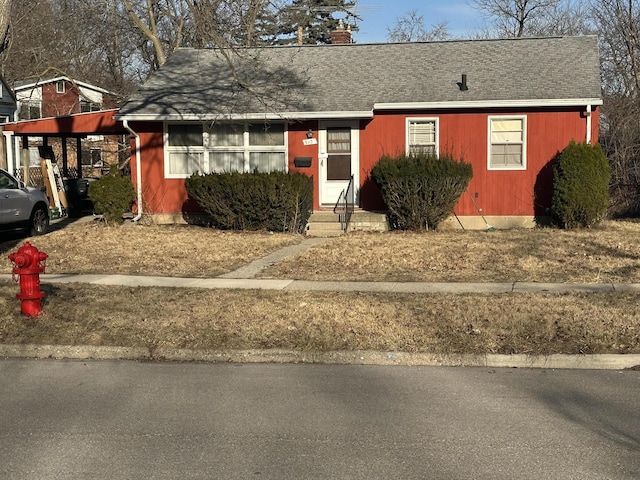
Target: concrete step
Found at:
x=327, y=223
x=324, y=217
x=324, y=229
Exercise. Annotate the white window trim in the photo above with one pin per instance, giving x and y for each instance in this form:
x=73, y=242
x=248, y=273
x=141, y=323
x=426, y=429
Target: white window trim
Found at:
x=60, y=86
x=193, y=149
x=410, y=120
x=524, y=141
x=206, y=149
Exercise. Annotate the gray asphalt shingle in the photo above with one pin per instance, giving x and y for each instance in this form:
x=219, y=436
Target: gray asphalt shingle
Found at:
x=352, y=78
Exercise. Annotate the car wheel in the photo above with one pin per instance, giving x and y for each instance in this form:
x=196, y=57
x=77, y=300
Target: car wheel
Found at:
x=39, y=222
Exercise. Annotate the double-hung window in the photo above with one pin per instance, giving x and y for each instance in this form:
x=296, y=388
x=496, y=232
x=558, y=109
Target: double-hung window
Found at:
x=422, y=136
x=185, y=149
x=247, y=147
x=225, y=147
x=507, y=143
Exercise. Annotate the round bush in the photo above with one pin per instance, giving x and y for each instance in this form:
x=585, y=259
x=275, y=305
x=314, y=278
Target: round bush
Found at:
x=421, y=190
x=112, y=195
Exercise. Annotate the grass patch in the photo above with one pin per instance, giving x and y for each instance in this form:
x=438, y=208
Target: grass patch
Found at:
x=167, y=250
x=599, y=255
x=577, y=323
x=79, y=314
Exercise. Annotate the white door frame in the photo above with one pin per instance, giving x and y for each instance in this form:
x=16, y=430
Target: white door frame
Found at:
x=329, y=190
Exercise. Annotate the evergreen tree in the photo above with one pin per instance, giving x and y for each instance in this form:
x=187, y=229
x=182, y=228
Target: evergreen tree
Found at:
x=313, y=20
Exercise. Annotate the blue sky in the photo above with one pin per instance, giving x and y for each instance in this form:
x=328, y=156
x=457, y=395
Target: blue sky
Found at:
x=377, y=15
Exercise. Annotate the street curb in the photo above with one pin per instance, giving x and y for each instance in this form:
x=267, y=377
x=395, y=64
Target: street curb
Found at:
x=556, y=361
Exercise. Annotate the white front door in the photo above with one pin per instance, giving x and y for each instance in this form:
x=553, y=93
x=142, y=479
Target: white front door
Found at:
x=338, y=159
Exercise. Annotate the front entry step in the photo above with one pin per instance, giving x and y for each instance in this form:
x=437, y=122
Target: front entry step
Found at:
x=327, y=224
x=324, y=224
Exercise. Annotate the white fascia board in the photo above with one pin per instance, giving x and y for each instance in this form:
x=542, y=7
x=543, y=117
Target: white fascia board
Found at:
x=250, y=116
x=554, y=102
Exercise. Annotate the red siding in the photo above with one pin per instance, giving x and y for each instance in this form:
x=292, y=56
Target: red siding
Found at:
x=465, y=135
x=462, y=133
x=297, y=135
x=55, y=104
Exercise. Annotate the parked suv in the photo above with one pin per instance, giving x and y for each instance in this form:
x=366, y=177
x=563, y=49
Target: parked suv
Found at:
x=22, y=207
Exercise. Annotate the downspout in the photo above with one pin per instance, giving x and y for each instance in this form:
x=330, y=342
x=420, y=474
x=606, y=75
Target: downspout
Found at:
x=125, y=124
x=9, y=146
x=588, y=115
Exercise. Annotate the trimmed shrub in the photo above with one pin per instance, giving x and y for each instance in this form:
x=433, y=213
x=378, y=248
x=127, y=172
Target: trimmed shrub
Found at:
x=581, y=176
x=420, y=190
x=112, y=195
x=276, y=201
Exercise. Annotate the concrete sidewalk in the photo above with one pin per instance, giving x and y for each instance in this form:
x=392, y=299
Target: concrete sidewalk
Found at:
x=231, y=282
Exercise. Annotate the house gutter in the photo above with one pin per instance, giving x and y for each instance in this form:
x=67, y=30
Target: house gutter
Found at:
x=125, y=124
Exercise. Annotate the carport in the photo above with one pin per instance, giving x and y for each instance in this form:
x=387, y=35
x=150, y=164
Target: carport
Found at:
x=69, y=127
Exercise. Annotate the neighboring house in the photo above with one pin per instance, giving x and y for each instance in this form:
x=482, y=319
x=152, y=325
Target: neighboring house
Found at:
x=8, y=103
x=8, y=106
x=506, y=106
x=59, y=96
x=62, y=96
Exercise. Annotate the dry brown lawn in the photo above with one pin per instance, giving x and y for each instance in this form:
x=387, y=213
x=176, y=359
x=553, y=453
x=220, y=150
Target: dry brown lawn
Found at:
x=77, y=314
x=171, y=250
x=83, y=314
x=610, y=253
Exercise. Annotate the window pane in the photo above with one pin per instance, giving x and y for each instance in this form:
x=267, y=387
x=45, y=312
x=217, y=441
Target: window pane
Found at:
x=220, y=162
x=339, y=140
x=422, y=133
x=185, y=163
x=510, y=125
x=506, y=155
x=267, y=161
x=422, y=149
x=506, y=137
x=225, y=135
x=185, y=135
x=268, y=135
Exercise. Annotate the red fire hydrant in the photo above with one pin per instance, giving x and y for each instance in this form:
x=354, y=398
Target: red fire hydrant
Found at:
x=29, y=263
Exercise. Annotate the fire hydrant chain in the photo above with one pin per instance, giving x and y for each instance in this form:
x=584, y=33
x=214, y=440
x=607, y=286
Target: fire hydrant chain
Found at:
x=29, y=263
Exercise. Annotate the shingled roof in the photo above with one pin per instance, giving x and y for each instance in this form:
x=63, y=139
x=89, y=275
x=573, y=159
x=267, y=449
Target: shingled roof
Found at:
x=354, y=80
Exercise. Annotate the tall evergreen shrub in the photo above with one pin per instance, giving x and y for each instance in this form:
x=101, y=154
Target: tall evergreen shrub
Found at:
x=420, y=190
x=276, y=201
x=581, y=176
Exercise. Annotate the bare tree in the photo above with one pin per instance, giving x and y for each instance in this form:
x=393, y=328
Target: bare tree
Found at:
x=5, y=10
x=618, y=24
x=411, y=28
x=512, y=18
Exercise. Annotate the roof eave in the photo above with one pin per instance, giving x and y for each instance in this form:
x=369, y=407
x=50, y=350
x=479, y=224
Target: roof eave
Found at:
x=477, y=104
x=247, y=116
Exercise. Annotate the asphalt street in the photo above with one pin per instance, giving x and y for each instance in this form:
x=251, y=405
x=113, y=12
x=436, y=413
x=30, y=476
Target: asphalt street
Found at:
x=129, y=420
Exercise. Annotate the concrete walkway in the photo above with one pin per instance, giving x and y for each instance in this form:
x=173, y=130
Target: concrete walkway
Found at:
x=230, y=281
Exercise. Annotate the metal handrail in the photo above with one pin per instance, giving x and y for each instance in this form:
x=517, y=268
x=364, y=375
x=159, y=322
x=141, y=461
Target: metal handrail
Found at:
x=345, y=205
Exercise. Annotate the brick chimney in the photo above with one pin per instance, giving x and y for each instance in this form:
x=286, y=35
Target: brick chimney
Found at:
x=341, y=35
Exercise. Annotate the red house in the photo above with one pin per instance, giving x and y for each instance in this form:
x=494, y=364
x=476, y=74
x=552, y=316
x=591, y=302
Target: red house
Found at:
x=331, y=111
